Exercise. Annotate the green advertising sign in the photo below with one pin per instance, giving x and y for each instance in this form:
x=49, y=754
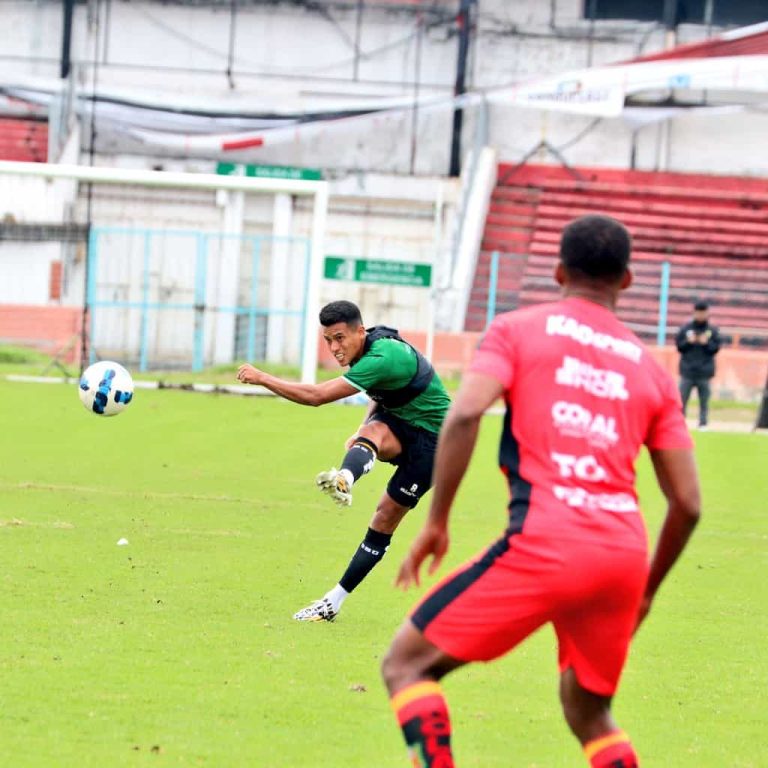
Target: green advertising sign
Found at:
x=378, y=271
x=270, y=171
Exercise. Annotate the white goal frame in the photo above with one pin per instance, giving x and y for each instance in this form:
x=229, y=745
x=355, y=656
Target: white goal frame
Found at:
x=317, y=189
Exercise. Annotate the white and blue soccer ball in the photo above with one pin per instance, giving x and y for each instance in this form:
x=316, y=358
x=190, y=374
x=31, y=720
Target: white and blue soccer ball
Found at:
x=106, y=388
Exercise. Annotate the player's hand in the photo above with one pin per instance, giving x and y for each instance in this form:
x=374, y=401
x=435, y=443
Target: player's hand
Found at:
x=247, y=374
x=432, y=541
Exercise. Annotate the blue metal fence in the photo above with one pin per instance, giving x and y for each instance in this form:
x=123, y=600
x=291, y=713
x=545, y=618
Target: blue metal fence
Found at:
x=120, y=278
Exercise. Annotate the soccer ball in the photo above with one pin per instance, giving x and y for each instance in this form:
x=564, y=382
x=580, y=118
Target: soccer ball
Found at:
x=106, y=388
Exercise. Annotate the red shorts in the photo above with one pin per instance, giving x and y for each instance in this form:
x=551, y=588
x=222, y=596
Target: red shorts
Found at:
x=589, y=591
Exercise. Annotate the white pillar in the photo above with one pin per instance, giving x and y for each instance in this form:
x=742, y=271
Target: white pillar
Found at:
x=279, y=278
x=223, y=273
x=312, y=303
x=437, y=238
x=663, y=145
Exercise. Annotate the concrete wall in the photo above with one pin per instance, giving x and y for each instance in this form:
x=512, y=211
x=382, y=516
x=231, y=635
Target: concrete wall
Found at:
x=25, y=272
x=25, y=268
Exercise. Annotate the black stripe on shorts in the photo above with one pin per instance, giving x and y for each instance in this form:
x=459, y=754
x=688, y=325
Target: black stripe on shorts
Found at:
x=442, y=597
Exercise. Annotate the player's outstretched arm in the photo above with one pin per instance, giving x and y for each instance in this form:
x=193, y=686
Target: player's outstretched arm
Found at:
x=458, y=435
x=677, y=477
x=305, y=394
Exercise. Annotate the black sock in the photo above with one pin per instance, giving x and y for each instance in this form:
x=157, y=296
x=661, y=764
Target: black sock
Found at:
x=370, y=551
x=360, y=457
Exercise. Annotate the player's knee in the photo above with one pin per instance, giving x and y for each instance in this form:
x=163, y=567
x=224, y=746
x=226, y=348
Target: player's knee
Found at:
x=393, y=669
x=409, y=659
x=387, y=445
x=376, y=432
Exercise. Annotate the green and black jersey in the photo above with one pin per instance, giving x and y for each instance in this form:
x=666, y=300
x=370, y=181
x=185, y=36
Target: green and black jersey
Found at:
x=390, y=364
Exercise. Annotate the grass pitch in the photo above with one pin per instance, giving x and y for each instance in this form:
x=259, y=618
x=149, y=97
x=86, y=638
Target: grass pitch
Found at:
x=179, y=649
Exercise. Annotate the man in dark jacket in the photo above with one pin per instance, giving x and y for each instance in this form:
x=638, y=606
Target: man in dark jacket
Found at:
x=697, y=342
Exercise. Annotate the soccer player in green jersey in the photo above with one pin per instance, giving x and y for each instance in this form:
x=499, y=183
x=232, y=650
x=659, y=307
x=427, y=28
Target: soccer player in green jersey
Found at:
x=407, y=408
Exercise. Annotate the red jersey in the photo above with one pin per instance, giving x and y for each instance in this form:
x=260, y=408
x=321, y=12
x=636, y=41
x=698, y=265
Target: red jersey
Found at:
x=583, y=395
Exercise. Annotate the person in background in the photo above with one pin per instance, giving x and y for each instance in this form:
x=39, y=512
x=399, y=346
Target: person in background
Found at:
x=697, y=342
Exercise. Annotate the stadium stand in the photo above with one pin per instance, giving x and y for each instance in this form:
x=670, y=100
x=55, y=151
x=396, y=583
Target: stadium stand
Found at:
x=23, y=140
x=712, y=230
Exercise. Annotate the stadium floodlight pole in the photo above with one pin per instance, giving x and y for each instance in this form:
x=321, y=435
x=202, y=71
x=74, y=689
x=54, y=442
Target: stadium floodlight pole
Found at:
x=212, y=181
x=66, y=38
x=464, y=21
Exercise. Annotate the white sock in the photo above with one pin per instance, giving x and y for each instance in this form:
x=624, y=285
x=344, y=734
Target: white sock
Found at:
x=337, y=596
x=348, y=477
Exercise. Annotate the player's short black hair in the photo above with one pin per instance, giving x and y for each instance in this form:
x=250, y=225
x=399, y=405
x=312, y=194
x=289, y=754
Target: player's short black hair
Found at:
x=701, y=305
x=340, y=312
x=595, y=247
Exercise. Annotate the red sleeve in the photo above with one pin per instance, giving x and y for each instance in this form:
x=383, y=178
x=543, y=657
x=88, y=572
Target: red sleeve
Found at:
x=495, y=353
x=668, y=428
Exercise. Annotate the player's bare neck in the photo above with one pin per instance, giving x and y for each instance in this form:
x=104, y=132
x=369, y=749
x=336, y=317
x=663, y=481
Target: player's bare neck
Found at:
x=605, y=297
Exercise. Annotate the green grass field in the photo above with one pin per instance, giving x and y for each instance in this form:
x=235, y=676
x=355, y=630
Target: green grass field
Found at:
x=179, y=649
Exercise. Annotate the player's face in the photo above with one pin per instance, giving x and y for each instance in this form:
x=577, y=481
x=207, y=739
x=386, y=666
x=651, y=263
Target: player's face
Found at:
x=345, y=342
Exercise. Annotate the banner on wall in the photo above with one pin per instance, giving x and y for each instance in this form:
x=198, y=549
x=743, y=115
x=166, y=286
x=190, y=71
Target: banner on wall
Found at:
x=721, y=75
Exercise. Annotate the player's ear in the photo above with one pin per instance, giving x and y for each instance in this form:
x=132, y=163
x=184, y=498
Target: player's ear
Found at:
x=626, y=280
x=560, y=275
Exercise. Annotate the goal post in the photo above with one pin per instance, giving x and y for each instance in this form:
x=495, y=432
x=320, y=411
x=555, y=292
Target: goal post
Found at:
x=317, y=190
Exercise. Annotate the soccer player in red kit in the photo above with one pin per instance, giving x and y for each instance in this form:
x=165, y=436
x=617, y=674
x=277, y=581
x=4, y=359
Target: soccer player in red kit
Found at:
x=582, y=396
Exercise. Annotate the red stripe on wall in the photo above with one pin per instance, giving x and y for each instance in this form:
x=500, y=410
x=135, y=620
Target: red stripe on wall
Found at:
x=243, y=143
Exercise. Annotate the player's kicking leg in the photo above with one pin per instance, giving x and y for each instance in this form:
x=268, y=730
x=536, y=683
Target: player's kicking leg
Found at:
x=367, y=556
x=374, y=439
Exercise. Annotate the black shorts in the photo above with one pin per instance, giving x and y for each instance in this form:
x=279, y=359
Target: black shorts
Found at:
x=413, y=476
